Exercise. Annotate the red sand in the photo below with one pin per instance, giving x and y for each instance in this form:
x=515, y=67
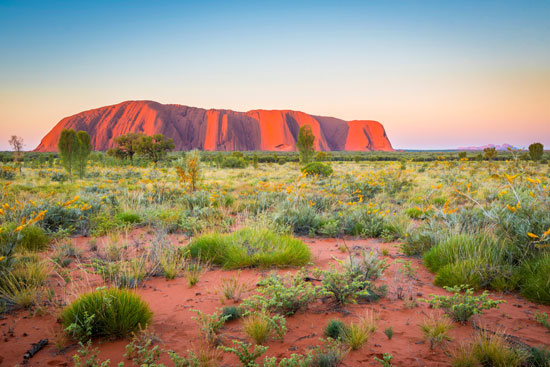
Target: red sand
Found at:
x=171, y=302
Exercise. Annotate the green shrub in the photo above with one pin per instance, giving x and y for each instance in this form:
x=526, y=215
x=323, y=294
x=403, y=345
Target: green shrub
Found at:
x=7, y=173
x=317, y=168
x=210, y=325
x=302, y=218
x=344, y=287
x=532, y=217
x=31, y=238
x=128, y=218
x=334, y=329
x=420, y=240
x=284, y=295
x=364, y=221
x=234, y=162
x=231, y=313
x=250, y=247
x=246, y=356
x=462, y=305
x=63, y=217
x=543, y=319
x=535, y=281
x=116, y=313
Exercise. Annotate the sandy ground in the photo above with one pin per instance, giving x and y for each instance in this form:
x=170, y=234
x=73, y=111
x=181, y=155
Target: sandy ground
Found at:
x=171, y=302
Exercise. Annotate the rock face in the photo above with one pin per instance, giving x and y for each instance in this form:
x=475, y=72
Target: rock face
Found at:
x=197, y=128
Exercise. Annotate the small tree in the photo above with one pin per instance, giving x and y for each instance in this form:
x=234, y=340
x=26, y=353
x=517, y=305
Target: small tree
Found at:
x=536, y=150
x=155, y=147
x=126, y=146
x=84, y=148
x=16, y=143
x=255, y=160
x=305, y=144
x=462, y=155
x=188, y=169
x=490, y=153
x=68, y=148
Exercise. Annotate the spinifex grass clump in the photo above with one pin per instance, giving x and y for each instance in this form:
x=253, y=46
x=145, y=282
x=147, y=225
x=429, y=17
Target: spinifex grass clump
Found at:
x=476, y=260
x=250, y=247
x=436, y=329
x=334, y=329
x=535, y=282
x=115, y=312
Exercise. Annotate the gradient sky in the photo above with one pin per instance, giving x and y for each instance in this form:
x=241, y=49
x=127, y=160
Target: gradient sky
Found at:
x=437, y=74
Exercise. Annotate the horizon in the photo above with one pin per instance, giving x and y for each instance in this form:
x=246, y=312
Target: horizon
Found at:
x=438, y=76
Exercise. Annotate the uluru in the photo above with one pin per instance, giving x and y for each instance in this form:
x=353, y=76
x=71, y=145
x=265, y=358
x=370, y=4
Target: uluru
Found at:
x=219, y=129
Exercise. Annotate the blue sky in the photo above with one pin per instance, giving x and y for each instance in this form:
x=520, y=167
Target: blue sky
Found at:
x=437, y=74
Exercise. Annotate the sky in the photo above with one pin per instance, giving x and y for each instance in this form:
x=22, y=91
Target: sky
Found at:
x=437, y=74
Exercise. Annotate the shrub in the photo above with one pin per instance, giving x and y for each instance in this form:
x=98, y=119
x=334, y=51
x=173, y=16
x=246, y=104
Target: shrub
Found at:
x=344, y=287
x=420, y=240
x=542, y=318
x=231, y=313
x=31, y=238
x=462, y=305
x=389, y=332
x=116, y=313
x=128, y=218
x=368, y=264
x=234, y=162
x=250, y=247
x=210, y=324
x=317, y=168
x=436, y=329
x=334, y=329
x=7, y=173
x=302, y=218
x=246, y=356
x=364, y=221
x=295, y=360
x=535, y=282
x=386, y=360
x=64, y=217
x=284, y=295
